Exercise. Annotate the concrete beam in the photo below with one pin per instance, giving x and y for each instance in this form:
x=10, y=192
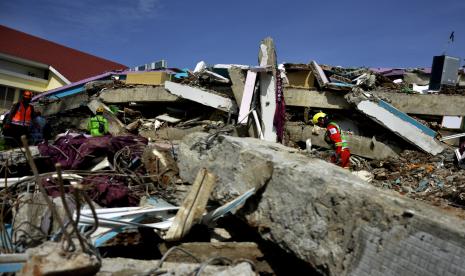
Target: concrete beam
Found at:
x=267, y=80
x=137, y=94
x=398, y=122
x=427, y=104
x=359, y=145
x=315, y=99
x=236, y=75
x=63, y=104
x=201, y=96
x=123, y=266
x=326, y=216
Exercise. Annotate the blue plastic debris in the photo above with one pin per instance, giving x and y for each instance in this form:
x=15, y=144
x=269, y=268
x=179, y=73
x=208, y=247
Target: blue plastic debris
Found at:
x=422, y=186
x=184, y=74
x=10, y=267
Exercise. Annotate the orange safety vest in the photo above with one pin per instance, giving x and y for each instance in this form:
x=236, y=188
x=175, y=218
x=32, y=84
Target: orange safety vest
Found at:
x=23, y=115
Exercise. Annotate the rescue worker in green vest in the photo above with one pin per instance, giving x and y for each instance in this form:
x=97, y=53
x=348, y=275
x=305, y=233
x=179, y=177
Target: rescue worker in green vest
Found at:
x=335, y=137
x=98, y=125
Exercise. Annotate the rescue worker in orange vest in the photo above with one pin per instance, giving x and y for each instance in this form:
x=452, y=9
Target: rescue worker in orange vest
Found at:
x=335, y=137
x=19, y=119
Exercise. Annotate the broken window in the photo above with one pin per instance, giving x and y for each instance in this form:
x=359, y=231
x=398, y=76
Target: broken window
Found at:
x=7, y=95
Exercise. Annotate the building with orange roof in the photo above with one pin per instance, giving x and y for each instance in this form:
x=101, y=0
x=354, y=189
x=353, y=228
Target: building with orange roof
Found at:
x=31, y=63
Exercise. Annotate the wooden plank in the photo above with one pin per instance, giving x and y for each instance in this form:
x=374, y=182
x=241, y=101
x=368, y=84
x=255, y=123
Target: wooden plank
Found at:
x=193, y=206
x=167, y=118
x=247, y=96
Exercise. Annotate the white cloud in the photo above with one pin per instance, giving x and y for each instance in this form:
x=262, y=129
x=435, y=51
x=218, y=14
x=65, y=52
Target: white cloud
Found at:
x=149, y=6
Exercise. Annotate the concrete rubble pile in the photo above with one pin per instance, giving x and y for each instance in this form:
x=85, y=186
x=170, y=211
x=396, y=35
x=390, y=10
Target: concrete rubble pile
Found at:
x=219, y=170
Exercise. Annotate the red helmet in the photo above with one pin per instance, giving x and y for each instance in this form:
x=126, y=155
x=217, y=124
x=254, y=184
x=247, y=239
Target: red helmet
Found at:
x=27, y=94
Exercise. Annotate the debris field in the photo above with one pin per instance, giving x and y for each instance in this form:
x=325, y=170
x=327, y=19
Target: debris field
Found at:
x=220, y=171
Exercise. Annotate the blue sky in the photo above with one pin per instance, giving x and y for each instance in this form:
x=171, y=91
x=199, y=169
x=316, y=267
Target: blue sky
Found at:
x=395, y=33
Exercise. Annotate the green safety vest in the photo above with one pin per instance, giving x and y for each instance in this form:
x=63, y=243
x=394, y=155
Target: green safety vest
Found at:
x=344, y=143
x=94, y=125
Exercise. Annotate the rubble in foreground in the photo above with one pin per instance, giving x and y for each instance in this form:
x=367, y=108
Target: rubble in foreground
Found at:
x=191, y=179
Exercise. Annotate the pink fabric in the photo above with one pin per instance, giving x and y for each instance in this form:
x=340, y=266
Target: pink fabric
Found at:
x=77, y=152
x=280, y=112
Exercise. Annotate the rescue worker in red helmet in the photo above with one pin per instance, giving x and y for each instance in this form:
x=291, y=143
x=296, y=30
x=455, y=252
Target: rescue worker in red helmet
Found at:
x=19, y=119
x=335, y=137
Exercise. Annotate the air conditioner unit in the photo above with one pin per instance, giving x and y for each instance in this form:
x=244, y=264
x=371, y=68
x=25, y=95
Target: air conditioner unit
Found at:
x=444, y=71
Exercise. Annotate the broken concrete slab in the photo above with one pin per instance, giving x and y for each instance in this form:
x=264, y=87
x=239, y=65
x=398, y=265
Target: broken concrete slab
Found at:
x=319, y=74
x=201, y=96
x=206, y=250
x=416, y=77
x=28, y=217
x=255, y=175
x=398, y=122
x=236, y=74
x=315, y=99
x=427, y=104
x=49, y=258
x=169, y=133
x=17, y=156
x=33, y=220
x=130, y=267
x=325, y=215
x=115, y=126
x=359, y=145
x=160, y=164
x=62, y=123
x=59, y=105
x=138, y=94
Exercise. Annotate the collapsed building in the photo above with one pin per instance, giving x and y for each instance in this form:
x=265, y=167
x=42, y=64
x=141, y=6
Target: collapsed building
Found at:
x=219, y=170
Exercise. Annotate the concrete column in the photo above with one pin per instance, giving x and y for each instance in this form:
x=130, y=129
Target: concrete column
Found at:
x=267, y=57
